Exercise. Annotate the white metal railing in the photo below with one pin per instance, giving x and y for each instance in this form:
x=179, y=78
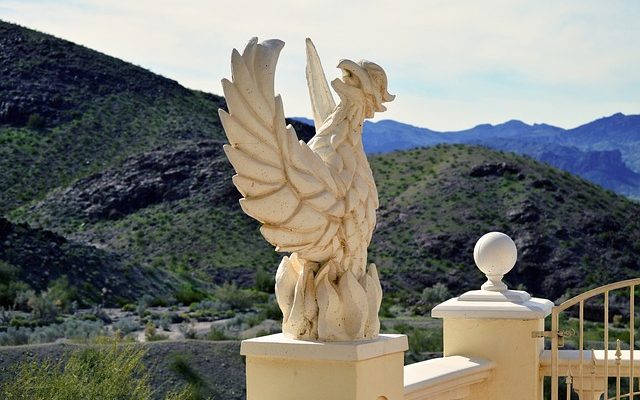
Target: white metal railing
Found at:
x=595, y=366
x=586, y=371
x=445, y=378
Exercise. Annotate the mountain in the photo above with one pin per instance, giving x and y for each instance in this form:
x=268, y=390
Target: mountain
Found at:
x=605, y=151
x=435, y=203
x=67, y=111
x=68, y=116
x=133, y=177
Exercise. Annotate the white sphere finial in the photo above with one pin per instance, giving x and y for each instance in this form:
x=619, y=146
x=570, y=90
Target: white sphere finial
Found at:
x=495, y=254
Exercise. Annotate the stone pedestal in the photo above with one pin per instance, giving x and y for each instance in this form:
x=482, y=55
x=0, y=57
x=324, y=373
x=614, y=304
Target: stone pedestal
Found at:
x=498, y=324
x=502, y=333
x=279, y=368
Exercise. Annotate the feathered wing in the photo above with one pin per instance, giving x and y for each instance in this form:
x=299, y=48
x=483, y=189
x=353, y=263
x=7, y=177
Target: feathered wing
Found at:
x=322, y=101
x=285, y=185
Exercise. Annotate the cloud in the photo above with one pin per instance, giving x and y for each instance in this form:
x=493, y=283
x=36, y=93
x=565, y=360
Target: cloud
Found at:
x=453, y=64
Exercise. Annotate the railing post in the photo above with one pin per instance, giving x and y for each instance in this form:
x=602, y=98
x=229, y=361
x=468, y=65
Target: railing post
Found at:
x=498, y=324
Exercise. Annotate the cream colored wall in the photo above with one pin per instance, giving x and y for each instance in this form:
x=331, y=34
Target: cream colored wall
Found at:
x=295, y=379
x=509, y=344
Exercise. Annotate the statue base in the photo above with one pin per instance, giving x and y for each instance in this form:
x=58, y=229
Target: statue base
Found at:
x=279, y=368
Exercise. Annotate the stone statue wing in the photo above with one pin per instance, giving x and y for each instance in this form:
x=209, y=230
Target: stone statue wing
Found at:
x=322, y=101
x=285, y=185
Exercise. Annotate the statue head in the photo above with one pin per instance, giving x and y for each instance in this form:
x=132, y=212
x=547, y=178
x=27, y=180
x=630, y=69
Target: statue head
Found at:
x=371, y=79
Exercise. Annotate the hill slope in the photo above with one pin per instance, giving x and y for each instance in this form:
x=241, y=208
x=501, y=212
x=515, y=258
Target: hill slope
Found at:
x=135, y=170
x=68, y=114
x=435, y=203
x=66, y=111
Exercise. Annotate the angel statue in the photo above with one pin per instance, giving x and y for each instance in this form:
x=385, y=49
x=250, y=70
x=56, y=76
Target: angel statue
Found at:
x=316, y=201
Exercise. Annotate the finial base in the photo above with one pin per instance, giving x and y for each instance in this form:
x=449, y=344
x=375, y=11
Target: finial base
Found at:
x=513, y=296
x=494, y=284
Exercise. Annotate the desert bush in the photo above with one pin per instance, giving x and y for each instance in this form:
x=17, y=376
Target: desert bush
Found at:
x=164, y=322
x=238, y=299
x=43, y=307
x=270, y=309
x=10, y=286
x=126, y=325
x=152, y=335
x=206, y=305
x=73, y=329
x=106, y=372
x=216, y=333
x=143, y=303
x=149, y=330
x=35, y=121
x=265, y=281
x=436, y=294
x=14, y=336
x=188, y=294
x=187, y=330
x=9, y=290
x=420, y=341
x=61, y=293
x=5, y=316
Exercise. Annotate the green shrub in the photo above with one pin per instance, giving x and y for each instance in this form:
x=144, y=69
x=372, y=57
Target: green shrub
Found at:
x=126, y=325
x=238, y=299
x=164, y=322
x=188, y=294
x=271, y=310
x=436, y=294
x=43, y=307
x=107, y=372
x=217, y=334
x=188, y=331
x=73, y=329
x=61, y=293
x=10, y=286
x=9, y=291
x=35, y=121
x=265, y=281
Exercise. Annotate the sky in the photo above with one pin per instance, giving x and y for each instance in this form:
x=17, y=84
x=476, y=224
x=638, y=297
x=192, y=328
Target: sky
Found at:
x=452, y=64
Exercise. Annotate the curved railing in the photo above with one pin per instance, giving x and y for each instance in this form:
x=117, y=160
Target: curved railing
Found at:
x=599, y=369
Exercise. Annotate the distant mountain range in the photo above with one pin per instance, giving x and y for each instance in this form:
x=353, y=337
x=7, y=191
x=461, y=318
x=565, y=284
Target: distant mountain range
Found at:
x=605, y=151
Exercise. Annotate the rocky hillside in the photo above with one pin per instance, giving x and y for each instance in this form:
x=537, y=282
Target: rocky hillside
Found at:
x=109, y=141
x=131, y=177
x=36, y=258
x=67, y=111
x=435, y=203
x=171, y=208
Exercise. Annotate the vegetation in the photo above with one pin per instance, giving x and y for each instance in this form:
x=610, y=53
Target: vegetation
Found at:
x=110, y=372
